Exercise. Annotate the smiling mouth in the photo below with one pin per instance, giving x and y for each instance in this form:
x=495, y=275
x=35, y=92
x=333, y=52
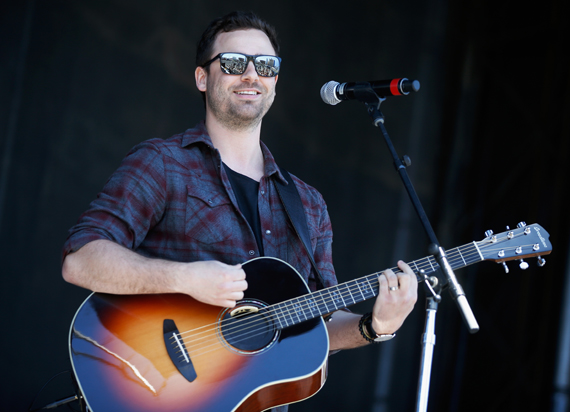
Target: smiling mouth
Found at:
x=248, y=93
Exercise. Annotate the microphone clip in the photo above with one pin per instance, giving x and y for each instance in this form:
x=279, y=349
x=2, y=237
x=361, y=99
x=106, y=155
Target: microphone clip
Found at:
x=373, y=109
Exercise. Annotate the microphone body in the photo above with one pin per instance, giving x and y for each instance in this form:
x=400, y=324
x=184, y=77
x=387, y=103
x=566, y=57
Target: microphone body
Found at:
x=333, y=92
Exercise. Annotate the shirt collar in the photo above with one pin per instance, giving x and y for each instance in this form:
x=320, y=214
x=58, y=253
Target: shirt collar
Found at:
x=196, y=135
x=199, y=134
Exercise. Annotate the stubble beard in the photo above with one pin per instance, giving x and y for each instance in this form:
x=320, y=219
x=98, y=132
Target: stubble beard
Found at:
x=243, y=115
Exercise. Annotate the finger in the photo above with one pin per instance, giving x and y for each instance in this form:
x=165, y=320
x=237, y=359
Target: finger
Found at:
x=407, y=277
x=392, y=279
x=235, y=296
x=382, y=283
x=239, y=285
x=239, y=274
x=405, y=267
x=228, y=303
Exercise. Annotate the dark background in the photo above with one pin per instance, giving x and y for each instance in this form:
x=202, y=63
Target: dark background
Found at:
x=83, y=81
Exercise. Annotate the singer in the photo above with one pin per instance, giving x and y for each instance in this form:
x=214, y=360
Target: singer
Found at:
x=183, y=214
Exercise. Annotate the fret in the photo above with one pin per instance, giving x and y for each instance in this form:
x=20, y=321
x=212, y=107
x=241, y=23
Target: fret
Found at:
x=288, y=312
x=431, y=264
x=416, y=266
x=367, y=288
x=478, y=251
x=312, y=305
x=322, y=305
x=338, y=299
x=349, y=290
x=278, y=317
x=332, y=300
x=370, y=287
x=461, y=256
x=282, y=315
x=472, y=254
x=297, y=310
x=359, y=286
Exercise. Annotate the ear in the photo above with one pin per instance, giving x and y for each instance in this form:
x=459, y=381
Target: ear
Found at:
x=201, y=78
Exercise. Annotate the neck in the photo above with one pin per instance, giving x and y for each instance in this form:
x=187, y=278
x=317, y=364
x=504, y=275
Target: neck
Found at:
x=239, y=149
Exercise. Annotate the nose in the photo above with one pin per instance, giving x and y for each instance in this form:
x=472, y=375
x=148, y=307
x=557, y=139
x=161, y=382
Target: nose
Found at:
x=250, y=73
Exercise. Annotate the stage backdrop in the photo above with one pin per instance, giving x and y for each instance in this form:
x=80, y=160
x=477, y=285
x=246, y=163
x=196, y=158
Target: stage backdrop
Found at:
x=83, y=81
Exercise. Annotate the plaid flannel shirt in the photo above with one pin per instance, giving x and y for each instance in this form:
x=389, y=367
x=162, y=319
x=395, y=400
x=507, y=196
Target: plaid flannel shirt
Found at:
x=171, y=199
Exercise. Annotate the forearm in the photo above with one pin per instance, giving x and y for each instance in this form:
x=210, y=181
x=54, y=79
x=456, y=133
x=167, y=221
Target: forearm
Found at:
x=104, y=266
x=343, y=331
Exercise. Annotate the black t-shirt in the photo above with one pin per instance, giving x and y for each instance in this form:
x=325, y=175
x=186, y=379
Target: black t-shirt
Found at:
x=246, y=190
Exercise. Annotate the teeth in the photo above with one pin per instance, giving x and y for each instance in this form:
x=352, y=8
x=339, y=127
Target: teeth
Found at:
x=247, y=92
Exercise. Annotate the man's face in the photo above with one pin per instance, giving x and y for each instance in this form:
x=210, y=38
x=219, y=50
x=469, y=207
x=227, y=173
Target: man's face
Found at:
x=238, y=101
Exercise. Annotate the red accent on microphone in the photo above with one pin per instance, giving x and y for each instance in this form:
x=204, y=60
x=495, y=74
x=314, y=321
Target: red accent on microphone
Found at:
x=394, y=87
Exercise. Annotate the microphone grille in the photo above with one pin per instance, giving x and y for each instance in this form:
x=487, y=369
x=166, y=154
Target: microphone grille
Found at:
x=328, y=93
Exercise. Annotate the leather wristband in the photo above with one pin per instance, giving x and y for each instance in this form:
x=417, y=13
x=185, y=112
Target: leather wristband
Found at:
x=368, y=333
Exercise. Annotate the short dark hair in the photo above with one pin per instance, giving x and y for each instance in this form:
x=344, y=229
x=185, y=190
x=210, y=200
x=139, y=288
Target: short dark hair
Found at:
x=236, y=20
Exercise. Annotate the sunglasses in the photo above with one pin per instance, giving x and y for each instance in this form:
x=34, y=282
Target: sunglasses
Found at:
x=236, y=63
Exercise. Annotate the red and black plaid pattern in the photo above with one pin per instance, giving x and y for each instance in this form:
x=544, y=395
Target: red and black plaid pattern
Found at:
x=171, y=199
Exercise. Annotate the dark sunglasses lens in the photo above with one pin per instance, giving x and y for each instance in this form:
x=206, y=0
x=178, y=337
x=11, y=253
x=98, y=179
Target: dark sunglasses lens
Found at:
x=236, y=63
x=267, y=66
x=233, y=63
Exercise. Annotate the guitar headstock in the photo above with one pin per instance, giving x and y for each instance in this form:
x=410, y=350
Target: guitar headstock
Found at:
x=523, y=242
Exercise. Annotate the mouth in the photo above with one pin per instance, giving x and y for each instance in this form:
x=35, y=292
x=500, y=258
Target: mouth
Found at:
x=247, y=92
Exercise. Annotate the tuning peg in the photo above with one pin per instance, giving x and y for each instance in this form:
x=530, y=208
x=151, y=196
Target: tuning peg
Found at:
x=523, y=265
x=505, y=267
x=490, y=235
x=541, y=262
x=526, y=228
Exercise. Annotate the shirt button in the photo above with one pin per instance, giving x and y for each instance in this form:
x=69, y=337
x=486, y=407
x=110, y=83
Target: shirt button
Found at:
x=251, y=252
x=262, y=192
x=268, y=232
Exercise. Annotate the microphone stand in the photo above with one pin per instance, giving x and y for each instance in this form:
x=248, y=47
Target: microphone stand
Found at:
x=368, y=96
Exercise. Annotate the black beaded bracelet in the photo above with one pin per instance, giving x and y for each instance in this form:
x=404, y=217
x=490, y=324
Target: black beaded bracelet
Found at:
x=362, y=327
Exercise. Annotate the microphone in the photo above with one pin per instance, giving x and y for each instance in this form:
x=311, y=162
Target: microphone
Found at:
x=333, y=92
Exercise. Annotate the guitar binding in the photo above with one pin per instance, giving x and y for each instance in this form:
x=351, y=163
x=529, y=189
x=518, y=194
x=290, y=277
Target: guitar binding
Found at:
x=247, y=329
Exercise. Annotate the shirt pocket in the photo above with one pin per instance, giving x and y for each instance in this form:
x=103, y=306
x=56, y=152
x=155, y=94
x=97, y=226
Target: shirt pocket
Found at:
x=209, y=215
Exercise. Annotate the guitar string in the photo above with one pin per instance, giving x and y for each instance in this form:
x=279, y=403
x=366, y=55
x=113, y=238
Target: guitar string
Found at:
x=353, y=285
x=351, y=288
x=346, y=290
x=247, y=332
x=217, y=347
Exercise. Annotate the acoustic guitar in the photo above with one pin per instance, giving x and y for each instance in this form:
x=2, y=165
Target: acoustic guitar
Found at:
x=169, y=352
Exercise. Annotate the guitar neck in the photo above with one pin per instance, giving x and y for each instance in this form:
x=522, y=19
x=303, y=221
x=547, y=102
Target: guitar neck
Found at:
x=341, y=296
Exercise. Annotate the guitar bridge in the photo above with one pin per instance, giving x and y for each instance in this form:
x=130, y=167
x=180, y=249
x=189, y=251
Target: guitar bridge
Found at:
x=177, y=350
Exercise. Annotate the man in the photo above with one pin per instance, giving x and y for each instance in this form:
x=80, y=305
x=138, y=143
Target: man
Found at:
x=181, y=215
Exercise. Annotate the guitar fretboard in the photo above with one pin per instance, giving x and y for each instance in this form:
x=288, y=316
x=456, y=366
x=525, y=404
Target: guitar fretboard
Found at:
x=325, y=301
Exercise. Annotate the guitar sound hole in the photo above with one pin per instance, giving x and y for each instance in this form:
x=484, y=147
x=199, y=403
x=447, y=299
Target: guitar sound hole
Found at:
x=248, y=328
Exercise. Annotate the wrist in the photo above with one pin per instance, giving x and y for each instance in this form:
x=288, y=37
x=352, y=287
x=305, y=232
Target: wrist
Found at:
x=368, y=332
